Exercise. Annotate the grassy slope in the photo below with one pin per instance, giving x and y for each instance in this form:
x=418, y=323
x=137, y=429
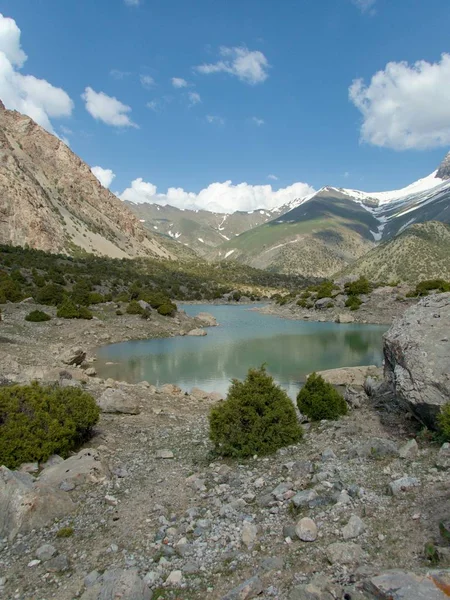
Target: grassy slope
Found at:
x=421, y=252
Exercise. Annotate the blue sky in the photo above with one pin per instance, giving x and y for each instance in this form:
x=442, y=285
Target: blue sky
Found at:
x=273, y=98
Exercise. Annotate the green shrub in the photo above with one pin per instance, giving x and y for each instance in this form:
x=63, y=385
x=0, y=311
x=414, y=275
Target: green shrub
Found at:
x=95, y=298
x=134, y=308
x=325, y=289
x=360, y=286
x=167, y=310
x=353, y=303
x=37, y=316
x=319, y=400
x=237, y=296
x=51, y=294
x=84, y=313
x=439, y=285
x=444, y=422
x=69, y=310
x=119, y=312
x=36, y=422
x=257, y=418
x=65, y=532
x=10, y=290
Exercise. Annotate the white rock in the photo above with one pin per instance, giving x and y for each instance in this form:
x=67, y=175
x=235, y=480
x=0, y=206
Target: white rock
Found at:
x=174, y=578
x=249, y=534
x=354, y=528
x=164, y=453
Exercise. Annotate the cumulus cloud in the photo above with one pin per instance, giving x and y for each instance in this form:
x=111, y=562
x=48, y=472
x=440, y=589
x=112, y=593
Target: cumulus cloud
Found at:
x=273, y=177
x=250, y=66
x=107, y=109
x=257, y=122
x=147, y=81
x=215, y=120
x=194, y=98
x=364, y=5
x=29, y=95
x=105, y=176
x=179, y=82
x=406, y=106
x=218, y=197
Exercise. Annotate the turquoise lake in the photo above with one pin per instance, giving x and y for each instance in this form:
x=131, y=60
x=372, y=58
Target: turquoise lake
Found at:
x=244, y=338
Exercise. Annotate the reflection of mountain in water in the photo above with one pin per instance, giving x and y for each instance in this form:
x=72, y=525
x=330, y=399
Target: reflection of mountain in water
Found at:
x=228, y=352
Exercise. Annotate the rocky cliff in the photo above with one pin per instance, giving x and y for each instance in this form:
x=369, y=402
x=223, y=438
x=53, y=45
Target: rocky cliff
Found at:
x=444, y=168
x=50, y=200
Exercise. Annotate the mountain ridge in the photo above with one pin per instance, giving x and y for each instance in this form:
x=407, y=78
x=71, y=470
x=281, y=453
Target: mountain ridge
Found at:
x=50, y=199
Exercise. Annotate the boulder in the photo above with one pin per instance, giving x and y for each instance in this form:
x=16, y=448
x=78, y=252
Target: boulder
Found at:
x=323, y=303
x=344, y=553
x=170, y=388
x=27, y=505
x=118, y=583
x=417, y=355
x=350, y=375
x=306, y=530
x=197, y=332
x=117, y=401
x=206, y=319
x=375, y=448
x=345, y=318
x=144, y=305
x=74, y=356
x=401, y=585
x=251, y=588
x=199, y=394
x=84, y=467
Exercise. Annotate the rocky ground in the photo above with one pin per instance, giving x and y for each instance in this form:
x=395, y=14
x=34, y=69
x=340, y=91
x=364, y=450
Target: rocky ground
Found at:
x=147, y=511
x=380, y=307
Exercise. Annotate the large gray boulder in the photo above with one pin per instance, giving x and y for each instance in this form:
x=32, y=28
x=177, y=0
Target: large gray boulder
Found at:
x=85, y=467
x=74, y=356
x=417, y=358
x=400, y=585
x=27, y=505
x=118, y=583
x=118, y=401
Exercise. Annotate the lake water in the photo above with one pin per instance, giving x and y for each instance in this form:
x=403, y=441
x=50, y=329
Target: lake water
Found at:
x=244, y=338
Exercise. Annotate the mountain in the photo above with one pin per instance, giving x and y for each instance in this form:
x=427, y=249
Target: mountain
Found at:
x=201, y=230
x=334, y=227
x=50, y=200
x=420, y=252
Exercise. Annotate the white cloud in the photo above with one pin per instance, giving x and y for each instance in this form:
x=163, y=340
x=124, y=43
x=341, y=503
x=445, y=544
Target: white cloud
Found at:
x=218, y=197
x=364, y=5
x=179, y=82
x=215, y=120
x=118, y=74
x=107, y=109
x=105, y=176
x=250, y=66
x=29, y=95
x=273, y=177
x=194, y=98
x=257, y=122
x=147, y=81
x=154, y=105
x=347, y=174
x=404, y=106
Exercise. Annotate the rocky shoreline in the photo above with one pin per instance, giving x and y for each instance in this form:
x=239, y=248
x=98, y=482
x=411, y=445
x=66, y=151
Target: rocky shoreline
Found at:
x=146, y=510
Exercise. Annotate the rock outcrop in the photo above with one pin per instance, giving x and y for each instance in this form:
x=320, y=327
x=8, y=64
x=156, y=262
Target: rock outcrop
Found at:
x=417, y=358
x=27, y=505
x=444, y=168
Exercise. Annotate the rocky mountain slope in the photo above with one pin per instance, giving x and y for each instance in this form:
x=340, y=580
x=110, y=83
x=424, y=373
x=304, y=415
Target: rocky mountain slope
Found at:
x=325, y=232
x=50, y=200
x=444, y=170
x=420, y=252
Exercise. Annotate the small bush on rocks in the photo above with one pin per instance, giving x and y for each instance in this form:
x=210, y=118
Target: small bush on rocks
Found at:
x=65, y=532
x=167, y=310
x=36, y=422
x=69, y=310
x=134, y=308
x=360, y=286
x=319, y=400
x=37, y=316
x=353, y=303
x=257, y=418
x=444, y=422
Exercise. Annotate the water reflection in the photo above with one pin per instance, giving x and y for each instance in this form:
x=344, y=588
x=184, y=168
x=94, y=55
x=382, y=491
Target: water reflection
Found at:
x=245, y=338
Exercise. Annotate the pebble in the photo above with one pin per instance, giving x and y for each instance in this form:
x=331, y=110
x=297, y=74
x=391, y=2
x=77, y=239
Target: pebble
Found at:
x=164, y=454
x=354, y=528
x=306, y=530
